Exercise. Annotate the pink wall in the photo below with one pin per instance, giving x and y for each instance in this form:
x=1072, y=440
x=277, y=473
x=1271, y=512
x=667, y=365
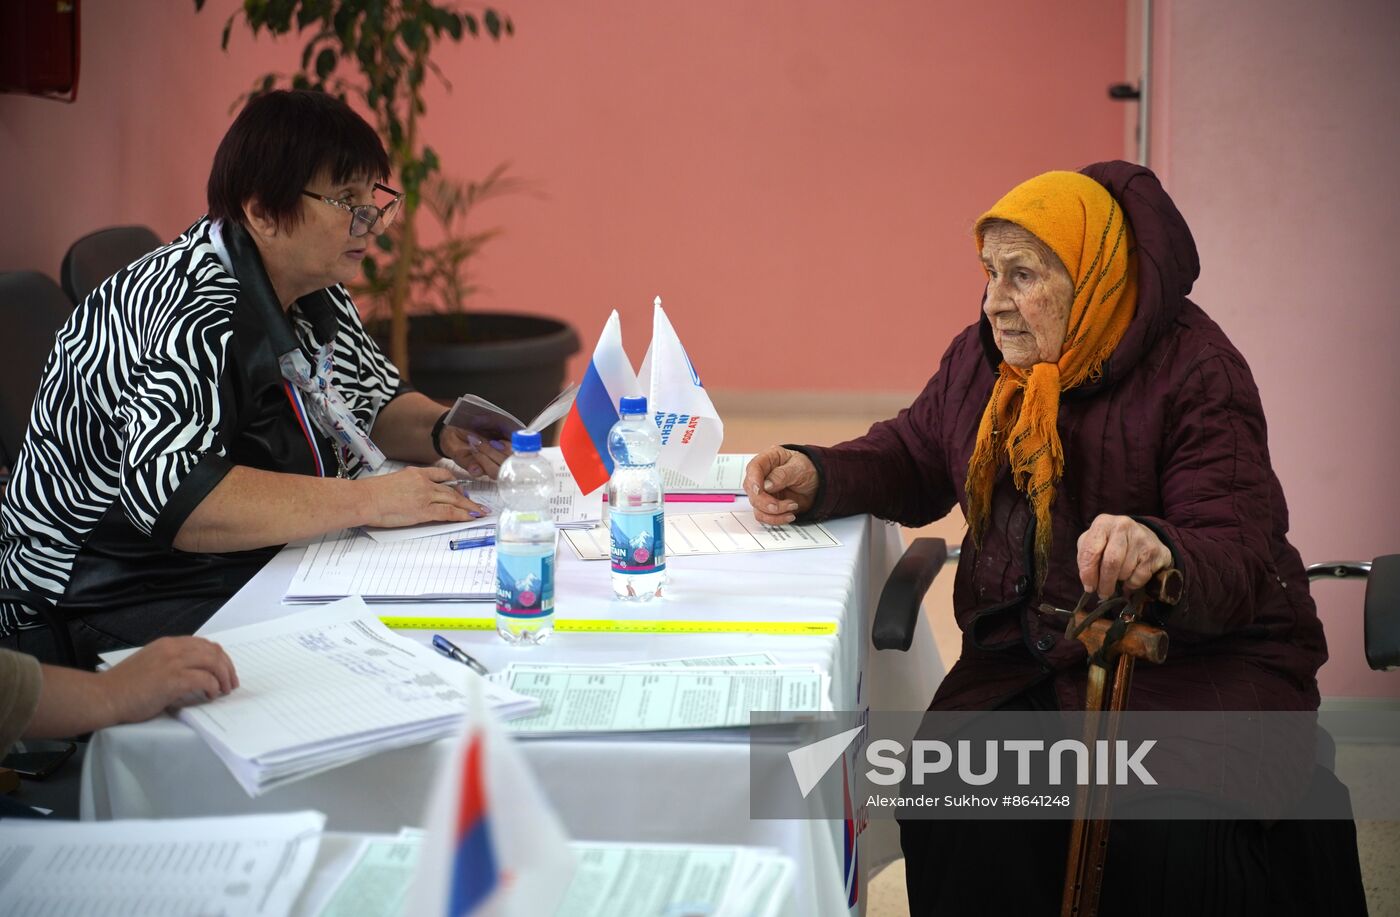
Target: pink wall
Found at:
x=797, y=178
x=1277, y=136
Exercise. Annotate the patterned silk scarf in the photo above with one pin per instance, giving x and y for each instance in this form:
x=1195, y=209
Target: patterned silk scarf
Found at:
x=324, y=404
x=327, y=409
x=1084, y=226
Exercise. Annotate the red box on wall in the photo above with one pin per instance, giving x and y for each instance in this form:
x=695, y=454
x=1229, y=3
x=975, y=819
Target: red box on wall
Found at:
x=39, y=47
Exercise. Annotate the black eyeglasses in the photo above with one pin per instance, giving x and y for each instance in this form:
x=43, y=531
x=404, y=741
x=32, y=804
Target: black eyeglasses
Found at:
x=365, y=218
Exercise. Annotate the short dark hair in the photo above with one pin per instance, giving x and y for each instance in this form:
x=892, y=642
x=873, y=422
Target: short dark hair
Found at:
x=279, y=142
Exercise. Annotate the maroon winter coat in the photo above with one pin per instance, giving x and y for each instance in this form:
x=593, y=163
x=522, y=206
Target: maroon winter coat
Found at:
x=1172, y=435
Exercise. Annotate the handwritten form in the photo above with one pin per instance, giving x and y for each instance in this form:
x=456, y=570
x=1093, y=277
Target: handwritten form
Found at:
x=421, y=569
x=711, y=533
x=244, y=865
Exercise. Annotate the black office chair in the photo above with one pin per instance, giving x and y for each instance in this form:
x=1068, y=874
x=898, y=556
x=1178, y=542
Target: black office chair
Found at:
x=898, y=610
x=99, y=255
x=32, y=309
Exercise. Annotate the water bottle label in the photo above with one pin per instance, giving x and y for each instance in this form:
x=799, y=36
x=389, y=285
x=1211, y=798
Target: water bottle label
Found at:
x=638, y=542
x=524, y=585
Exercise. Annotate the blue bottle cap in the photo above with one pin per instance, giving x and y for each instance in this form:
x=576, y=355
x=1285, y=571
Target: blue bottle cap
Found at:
x=632, y=404
x=525, y=441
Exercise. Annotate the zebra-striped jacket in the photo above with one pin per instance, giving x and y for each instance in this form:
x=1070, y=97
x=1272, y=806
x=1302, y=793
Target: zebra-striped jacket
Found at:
x=161, y=381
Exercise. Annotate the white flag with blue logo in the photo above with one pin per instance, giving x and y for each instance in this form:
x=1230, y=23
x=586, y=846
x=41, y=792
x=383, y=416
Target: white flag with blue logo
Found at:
x=691, y=431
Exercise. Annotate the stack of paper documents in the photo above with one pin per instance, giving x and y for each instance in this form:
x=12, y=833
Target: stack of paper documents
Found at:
x=679, y=698
x=418, y=570
x=244, y=865
x=329, y=686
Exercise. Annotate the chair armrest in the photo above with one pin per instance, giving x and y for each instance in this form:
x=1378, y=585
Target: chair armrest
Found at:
x=898, y=612
x=1383, y=613
x=49, y=614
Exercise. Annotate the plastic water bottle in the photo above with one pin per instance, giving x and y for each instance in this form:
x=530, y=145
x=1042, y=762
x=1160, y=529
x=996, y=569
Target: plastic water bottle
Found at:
x=525, y=540
x=636, y=511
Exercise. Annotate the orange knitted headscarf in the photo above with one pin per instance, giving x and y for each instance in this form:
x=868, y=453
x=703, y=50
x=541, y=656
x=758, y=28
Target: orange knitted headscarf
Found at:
x=1083, y=225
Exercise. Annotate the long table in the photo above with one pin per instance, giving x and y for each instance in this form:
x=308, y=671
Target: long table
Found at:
x=642, y=790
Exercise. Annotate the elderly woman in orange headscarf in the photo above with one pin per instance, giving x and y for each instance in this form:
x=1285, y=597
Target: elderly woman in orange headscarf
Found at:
x=1095, y=426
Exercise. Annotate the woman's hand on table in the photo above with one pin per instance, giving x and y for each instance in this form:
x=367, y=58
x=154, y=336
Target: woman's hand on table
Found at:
x=169, y=672
x=416, y=495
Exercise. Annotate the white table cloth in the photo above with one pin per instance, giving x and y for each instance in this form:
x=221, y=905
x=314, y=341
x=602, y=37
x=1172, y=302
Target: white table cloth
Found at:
x=646, y=790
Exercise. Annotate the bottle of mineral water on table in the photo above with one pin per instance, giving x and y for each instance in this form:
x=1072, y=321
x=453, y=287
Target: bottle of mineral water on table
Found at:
x=525, y=542
x=636, y=511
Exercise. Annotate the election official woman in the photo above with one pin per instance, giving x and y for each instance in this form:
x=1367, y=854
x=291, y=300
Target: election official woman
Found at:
x=220, y=397
x=1096, y=426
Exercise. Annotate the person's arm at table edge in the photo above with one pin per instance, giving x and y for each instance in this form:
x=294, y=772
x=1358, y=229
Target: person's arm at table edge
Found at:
x=898, y=470
x=247, y=508
x=54, y=701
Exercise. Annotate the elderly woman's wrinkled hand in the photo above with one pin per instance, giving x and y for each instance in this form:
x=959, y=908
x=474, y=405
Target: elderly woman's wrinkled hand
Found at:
x=781, y=485
x=479, y=457
x=1119, y=549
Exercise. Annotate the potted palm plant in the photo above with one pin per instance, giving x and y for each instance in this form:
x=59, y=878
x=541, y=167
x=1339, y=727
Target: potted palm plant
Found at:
x=379, y=53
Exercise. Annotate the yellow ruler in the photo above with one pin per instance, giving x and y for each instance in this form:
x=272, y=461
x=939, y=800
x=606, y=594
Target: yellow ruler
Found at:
x=606, y=626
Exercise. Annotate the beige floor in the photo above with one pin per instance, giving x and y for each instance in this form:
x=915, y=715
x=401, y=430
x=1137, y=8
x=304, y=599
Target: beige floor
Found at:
x=753, y=423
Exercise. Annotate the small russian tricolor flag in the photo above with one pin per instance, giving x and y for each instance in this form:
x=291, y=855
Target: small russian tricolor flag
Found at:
x=849, y=842
x=474, y=871
x=493, y=846
x=584, y=438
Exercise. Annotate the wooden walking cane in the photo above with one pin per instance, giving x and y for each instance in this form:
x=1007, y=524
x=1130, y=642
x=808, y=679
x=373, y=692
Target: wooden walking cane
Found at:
x=1112, y=644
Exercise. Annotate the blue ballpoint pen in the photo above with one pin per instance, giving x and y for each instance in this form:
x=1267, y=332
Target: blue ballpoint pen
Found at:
x=454, y=652
x=473, y=541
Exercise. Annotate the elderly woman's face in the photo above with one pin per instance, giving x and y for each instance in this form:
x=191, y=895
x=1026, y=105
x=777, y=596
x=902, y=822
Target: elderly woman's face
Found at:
x=1028, y=296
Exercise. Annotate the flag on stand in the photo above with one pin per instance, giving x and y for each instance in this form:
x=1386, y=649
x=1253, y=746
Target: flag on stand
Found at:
x=691, y=431
x=584, y=438
x=493, y=846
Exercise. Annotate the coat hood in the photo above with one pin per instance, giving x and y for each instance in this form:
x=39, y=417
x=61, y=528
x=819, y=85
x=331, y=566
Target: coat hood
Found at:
x=1167, y=265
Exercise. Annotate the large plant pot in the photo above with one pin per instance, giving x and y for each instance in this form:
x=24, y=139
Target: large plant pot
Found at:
x=516, y=361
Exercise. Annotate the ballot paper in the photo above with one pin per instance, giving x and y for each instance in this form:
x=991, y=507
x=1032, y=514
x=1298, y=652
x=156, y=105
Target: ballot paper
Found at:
x=615, y=880
x=611, y=880
x=328, y=686
x=377, y=881
x=711, y=533
x=698, y=702
x=348, y=563
x=240, y=865
x=726, y=476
